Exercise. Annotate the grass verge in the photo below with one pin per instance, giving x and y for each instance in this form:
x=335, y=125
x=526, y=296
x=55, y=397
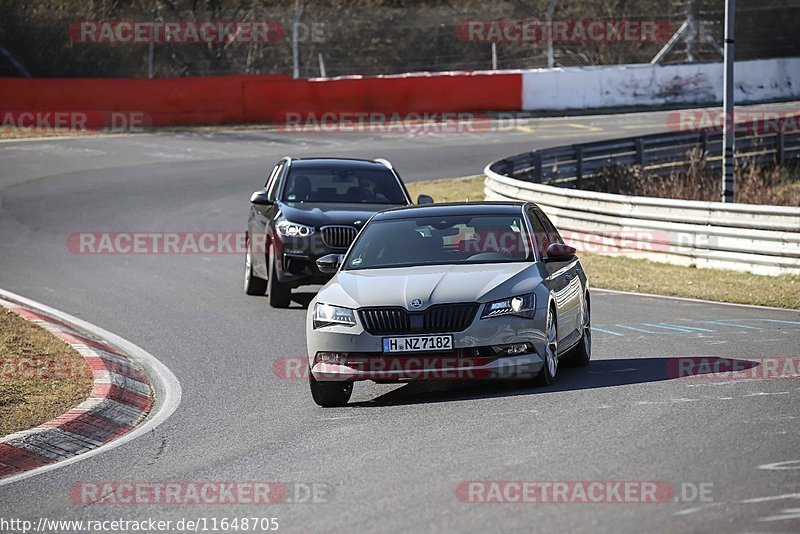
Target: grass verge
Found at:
x=41, y=377
x=643, y=276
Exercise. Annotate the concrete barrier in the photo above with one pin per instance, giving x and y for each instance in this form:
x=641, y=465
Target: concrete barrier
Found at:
x=657, y=85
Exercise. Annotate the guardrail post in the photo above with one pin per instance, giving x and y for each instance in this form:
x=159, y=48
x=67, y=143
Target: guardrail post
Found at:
x=639, y=151
x=779, y=146
x=578, y=164
x=537, y=161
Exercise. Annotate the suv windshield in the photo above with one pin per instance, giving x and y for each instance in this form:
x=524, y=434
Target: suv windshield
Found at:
x=440, y=241
x=337, y=185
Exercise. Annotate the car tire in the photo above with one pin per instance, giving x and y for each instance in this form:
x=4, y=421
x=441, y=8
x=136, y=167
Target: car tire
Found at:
x=582, y=353
x=329, y=394
x=253, y=285
x=280, y=294
x=548, y=373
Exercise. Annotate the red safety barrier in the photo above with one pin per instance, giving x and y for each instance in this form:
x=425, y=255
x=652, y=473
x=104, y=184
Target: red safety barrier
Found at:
x=263, y=98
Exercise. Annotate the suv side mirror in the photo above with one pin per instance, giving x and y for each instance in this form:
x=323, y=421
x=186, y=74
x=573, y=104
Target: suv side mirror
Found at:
x=424, y=199
x=329, y=264
x=260, y=198
x=560, y=252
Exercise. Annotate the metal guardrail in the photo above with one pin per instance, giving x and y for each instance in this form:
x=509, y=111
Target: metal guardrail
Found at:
x=755, y=238
x=568, y=166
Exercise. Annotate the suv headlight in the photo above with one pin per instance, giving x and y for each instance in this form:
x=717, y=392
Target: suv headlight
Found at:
x=292, y=229
x=522, y=306
x=326, y=315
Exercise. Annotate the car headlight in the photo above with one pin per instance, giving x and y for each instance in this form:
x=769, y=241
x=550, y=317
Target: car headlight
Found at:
x=326, y=315
x=292, y=229
x=522, y=306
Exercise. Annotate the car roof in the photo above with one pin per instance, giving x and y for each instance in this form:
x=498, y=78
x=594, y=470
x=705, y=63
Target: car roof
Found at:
x=451, y=209
x=336, y=163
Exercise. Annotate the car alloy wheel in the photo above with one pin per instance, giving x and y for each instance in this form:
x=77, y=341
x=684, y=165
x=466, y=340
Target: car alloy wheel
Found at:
x=550, y=367
x=252, y=284
x=582, y=353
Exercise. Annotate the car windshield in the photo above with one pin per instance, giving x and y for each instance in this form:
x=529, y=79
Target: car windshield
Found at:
x=440, y=241
x=319, y=184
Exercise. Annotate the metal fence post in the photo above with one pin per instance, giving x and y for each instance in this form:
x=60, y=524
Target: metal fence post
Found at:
x=578, y=164
x=639, y=142
x=728, y=133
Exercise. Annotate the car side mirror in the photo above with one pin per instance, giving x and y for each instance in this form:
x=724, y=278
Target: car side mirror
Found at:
x=424, y=199
x=330, y=263
x=560, y=252
x=260, y=198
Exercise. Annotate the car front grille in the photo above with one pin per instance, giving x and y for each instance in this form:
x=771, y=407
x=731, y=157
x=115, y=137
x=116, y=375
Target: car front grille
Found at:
x=338, y=236
x=436, y=319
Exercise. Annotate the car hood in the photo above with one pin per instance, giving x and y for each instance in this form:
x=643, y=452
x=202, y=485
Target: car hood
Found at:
x=320, y=214
x=434, y=284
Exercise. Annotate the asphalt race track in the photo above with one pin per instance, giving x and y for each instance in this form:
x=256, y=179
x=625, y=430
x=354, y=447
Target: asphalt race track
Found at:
x=393, y=459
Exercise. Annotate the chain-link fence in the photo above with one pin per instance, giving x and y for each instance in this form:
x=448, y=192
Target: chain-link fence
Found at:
x=172, y=38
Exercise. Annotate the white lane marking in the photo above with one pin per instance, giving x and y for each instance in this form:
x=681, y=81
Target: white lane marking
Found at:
x=755, y=500
x=783, y=466
x=687, y=299
x=765, y=394
x=697, y=509
x=166, y=385
x=786, y=513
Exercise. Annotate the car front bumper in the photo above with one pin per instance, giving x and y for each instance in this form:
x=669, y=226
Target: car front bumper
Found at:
x=471, y=357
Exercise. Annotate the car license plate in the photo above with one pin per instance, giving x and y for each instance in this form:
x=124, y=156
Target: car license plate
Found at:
x=417, y=343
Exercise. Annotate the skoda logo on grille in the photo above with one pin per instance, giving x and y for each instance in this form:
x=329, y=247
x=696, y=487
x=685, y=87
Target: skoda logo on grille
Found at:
x=416, y=303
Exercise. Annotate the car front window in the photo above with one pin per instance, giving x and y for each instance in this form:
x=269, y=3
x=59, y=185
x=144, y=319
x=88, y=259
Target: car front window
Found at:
x=324, y=185
x=440, y=241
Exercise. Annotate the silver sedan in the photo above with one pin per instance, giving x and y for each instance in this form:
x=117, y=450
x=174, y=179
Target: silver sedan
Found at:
x=449, y=291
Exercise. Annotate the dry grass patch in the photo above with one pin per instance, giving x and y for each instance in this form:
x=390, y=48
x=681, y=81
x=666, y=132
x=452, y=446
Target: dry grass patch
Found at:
x=449, y=189
x=41, y=377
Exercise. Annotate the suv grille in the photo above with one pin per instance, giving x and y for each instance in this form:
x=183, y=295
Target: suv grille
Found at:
x=338, y=236
x=436, y=319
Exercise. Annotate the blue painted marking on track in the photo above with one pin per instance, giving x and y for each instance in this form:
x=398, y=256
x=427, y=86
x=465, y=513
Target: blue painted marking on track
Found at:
x=779, y=321
x=638, y=329
x=725, y=323
x=679, y=329
x=686, y=327
x=595, y=329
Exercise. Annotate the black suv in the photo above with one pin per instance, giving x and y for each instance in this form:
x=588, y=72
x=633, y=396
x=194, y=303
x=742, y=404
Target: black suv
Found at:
x=310, y=208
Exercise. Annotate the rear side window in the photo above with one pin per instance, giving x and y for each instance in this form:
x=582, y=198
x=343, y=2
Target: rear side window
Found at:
x=274, y=179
